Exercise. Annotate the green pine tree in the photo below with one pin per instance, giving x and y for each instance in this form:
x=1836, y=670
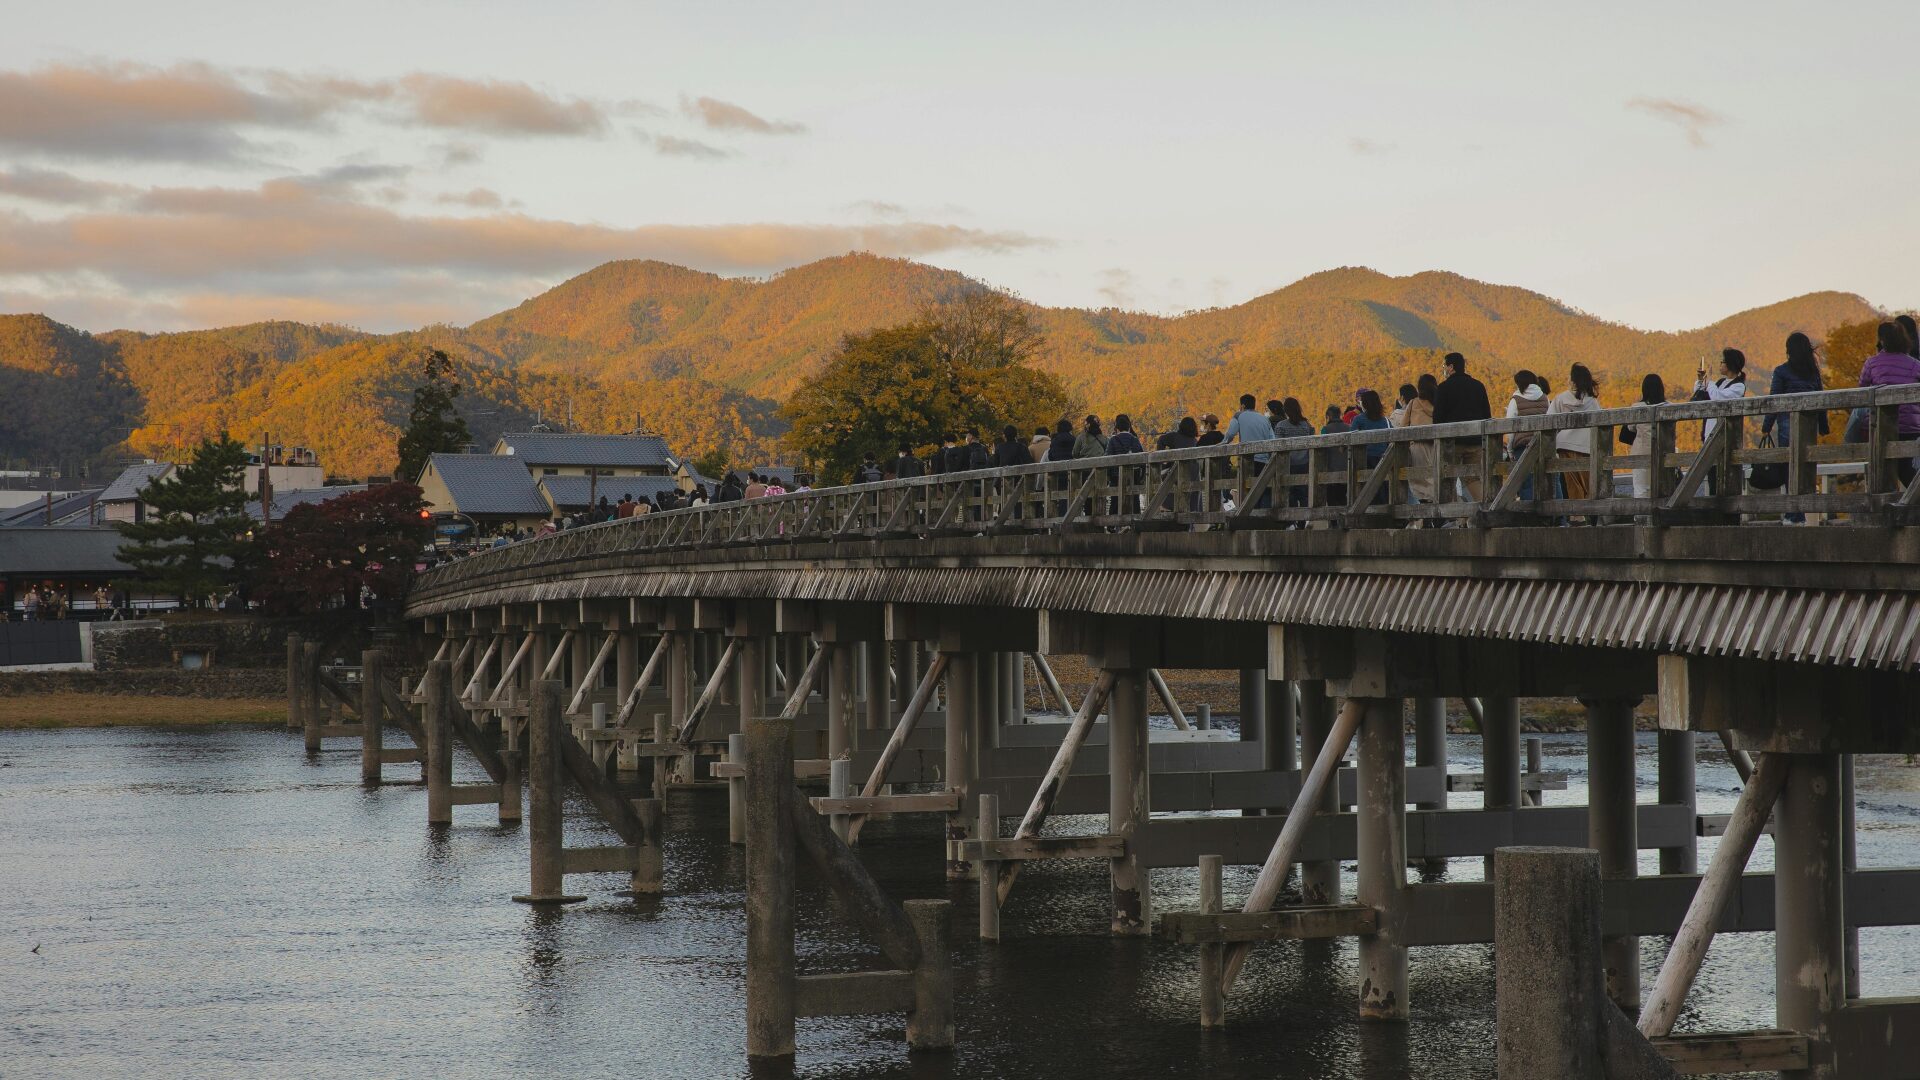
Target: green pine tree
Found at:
x=430, y=428
x=195, y=538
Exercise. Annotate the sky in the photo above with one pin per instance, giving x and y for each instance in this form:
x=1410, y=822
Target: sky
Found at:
x=387, y=165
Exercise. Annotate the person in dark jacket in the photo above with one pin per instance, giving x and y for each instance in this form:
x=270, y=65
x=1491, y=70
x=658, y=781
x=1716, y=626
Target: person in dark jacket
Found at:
x=1184, y=437
x=1461, y=397
x=1336, y=458
x=1799, y=375
x=1011, y=450
x=1062, y=448
x=906, y=465
x=731, y=489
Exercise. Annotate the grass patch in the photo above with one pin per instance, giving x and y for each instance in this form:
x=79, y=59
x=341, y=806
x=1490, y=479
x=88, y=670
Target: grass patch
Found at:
x=73, y=710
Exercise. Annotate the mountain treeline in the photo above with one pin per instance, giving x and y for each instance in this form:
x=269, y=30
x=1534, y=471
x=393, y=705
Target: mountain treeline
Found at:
x=706, y=361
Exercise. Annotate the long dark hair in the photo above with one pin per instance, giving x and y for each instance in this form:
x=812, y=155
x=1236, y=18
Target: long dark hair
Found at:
x=1800, y=359
x=1291, y=407
x=1189, y=427
x=1913, y=333
x=1582, y=380
x=1092, y=426
x=1653, y=390
x=1370, y=403
x=1735, y=360
x=1427, y=388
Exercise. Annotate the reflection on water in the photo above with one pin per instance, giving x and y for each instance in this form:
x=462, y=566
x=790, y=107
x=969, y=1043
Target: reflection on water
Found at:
x=208, y=903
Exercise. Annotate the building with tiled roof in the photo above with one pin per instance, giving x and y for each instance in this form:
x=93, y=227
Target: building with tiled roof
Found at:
x=121, y=499
x=491, y=489
x=573, y=454
x=567, y=494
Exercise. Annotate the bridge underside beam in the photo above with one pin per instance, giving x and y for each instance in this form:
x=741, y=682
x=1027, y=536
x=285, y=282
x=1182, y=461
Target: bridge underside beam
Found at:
x=1768, y=706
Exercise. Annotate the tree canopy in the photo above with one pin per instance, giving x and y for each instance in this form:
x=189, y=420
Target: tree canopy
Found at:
x=432, y=425
x=196, y=534
x=321, y=555
x=962, y=366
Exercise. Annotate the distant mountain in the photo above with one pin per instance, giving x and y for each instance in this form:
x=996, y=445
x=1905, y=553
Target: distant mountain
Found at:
x=705, y=360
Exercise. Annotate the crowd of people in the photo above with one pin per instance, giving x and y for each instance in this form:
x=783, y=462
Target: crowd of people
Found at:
x=48, y=603
x=1452, y=395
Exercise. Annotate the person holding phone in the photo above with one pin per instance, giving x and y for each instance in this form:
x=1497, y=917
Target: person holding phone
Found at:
x=1731, y=385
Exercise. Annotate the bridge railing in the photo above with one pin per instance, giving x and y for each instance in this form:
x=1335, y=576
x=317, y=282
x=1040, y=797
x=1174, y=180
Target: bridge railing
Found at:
x=1486, y=473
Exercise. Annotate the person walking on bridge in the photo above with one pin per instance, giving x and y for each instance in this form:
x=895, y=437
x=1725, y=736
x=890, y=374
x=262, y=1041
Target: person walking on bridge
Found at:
x=1894, y=365
x=1250, y=426
x=1040, y=444
x=1461, y=398
x=1011, y=450
x=1529, y=398
x=1575, y=445
x=1799, y=375
x=1293, y=425
x=1419, y=412
x=906, y=466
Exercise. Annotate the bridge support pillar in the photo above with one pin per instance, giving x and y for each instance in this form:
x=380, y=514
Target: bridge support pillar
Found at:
x=1382, y=836
x=1279, y=736
x=1430, y=749
x=626, y=671
x=294, y=700
x=679, y=699
x=840, y=699
x=1613, y=829
x=1676, y=780
x=1810, y=933
x=436, y=721
x=1500, y=756
x=879, y=710
x=1253, y=703
x=963, y=711
x=372, y=713
x=1128, y=799
x=1320, y=879
x=313, y=717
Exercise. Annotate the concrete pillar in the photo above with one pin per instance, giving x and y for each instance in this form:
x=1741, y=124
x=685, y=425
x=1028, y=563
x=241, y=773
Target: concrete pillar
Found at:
x=1253, y=702
x=372, y=713
x=1677, y=786
x=1810, y=933
x=988, y=828
x=679, y=695
x=879, y=712
x=437, y=720
x=770, y=875
x=545, y=827
x=1548, y=982
x=991, y=671
x=1430, y=749
x=750, y=667
x=1280, y=736
x=1128, y=798
x=1015, y=686
x=1382, y=882
x=1500, y=756
x=1319, y=881
x=840, y=700
x=737, y=790
x=580, y=650
x=1613, y=830
x=626, y=671
x=962, y=716
x=930, y=1021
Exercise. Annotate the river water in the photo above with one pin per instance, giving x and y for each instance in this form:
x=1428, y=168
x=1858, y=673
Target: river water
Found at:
x=211, y=903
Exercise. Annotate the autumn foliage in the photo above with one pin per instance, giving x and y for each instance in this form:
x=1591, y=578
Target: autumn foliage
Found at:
x=322, y=554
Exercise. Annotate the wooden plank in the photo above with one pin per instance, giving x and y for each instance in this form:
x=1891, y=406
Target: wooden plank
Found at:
x=1276, y=924
x=399, y=755
x=944, y=802
x=475, y=794
x=803, y=768
x=1473, y=781
x=853, y=993
x=339, y=731
x=1042, y=847
x=599, y=860
x=613, y=806
x=1734, y=1052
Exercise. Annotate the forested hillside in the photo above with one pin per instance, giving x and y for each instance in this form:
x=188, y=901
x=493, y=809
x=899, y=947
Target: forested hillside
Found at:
x=705, y=360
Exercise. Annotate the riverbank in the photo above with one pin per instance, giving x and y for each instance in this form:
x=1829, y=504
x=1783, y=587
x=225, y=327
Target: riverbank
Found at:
x=91, y=710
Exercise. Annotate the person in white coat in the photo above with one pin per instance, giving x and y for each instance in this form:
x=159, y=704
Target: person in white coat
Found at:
x=1731, y=385
x=1575, y=445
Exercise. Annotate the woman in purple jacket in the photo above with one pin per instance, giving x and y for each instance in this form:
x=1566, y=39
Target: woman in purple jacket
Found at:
x=1893, y=366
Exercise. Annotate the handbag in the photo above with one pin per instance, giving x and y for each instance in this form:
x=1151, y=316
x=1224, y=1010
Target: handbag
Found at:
x=1767, y=475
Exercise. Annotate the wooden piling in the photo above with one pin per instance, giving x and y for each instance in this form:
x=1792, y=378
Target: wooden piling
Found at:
x=372, y=716
x=649, y=870
x=295, y=721
x=1213, y=999
x=989, y=829
x=1500, y=757
x=770, y=876
x=1382, y=880
x=437, y=722
x=1810, y=939
x=1613, y=829
x=963, y=709
x=1677, y=787
x=879, y=697
x=1430, y=750
x=840, y=700
x=1548, y=985
x=1128, y=801
x=545, y=828
x=736, y=789
x=839, y=786
x=1319, y=879
x=311, y=715
x=930, y=1022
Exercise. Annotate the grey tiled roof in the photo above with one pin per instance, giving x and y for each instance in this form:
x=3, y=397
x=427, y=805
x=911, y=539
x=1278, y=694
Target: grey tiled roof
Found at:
x=621, y=451
x=489, y=484
x=60, y=551
x=127, y=485
x=570, y=492
x=284, y=501
x=70, y=509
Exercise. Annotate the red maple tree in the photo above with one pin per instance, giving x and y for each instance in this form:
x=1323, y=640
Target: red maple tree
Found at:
x=321, y=555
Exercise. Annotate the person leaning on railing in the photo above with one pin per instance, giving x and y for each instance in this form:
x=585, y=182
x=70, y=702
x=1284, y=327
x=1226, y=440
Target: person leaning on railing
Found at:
x=1799, y=375
x=1373, y=417
x=1895, y=365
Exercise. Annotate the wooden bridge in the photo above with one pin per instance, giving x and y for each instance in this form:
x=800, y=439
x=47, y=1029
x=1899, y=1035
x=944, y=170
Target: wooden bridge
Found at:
x=892, y=630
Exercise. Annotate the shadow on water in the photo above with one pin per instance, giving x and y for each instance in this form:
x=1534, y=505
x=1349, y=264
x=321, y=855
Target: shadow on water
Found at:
x=209, y=903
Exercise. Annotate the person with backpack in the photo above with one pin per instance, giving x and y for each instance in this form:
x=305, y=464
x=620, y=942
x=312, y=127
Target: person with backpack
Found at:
x=1011, y=450
x=906, y=466
x=868, y=471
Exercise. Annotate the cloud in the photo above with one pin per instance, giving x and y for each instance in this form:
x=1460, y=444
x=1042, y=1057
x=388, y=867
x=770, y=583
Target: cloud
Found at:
x=726, y=116
x=478, y=199
x=1118, y=286
x=675, y=146
x=59, y=188
x=878, y=208
x=496, y=107
x=294, y=237
x=1693, y=120
x=200, y=113
x=1362, y=147
x=459, y=153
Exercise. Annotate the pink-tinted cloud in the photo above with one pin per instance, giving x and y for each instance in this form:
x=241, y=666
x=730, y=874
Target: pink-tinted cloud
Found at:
x=674, y=146
x=726, y=116
x=1693, y=120
x=497, y=107
x=59, y=188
